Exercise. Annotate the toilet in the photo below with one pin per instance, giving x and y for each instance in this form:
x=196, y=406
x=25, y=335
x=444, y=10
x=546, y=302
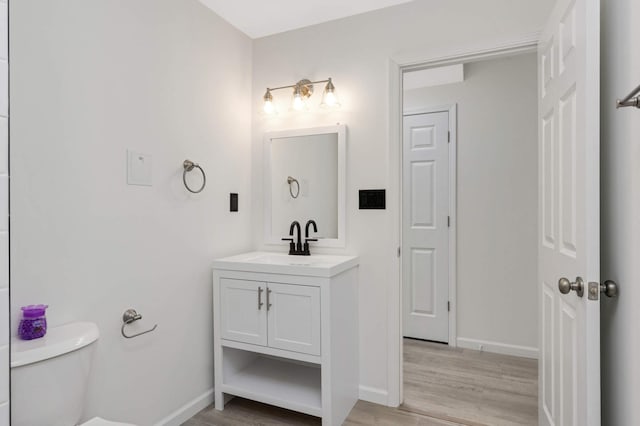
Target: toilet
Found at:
x=50, y=375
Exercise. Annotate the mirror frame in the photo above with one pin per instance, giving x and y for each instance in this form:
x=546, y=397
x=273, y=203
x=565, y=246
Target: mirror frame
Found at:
x=341, y=130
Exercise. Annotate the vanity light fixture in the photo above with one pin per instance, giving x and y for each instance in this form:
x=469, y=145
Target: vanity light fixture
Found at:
x=302, y=91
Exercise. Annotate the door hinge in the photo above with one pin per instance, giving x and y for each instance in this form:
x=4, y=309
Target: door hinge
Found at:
x=448, y=306
x=398, y=251
x=448, y=221
x=448, y=137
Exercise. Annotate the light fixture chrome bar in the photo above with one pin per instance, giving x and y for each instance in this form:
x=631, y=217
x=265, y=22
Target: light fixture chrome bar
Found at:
x=295, y=85
x=632, y=99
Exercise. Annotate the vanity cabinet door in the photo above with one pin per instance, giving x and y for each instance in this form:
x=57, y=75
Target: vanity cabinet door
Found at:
x=294, y=318
x=243, y=311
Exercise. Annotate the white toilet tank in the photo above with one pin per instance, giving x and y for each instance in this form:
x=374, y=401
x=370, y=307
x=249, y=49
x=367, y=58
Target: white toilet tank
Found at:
x=49, y=376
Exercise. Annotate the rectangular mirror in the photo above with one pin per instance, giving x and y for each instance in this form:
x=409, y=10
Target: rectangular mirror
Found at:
x=304, y=178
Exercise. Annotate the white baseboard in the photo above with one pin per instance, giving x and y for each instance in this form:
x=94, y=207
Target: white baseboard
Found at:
x=498, y=348
x=375, y=395
x=188, y=410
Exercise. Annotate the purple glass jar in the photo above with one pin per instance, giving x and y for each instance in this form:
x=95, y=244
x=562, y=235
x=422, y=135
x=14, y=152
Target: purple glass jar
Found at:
x=33, y=324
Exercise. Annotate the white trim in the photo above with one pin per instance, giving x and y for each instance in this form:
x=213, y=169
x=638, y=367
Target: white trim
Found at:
x=341, y=130
x=188, y=410
x=484, y=51
x=453, y=231
x=375, y=395
x=498, y=348
x=397, y=65
x=452, y=109
x=394, y=290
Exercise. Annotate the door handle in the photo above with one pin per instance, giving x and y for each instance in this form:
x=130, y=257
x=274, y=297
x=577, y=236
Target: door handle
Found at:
x=260, y=290
x=565, y=286
x=268, y=293
x=609, y=288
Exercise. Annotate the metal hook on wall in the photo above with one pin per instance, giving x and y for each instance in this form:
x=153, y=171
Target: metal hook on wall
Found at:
x=129, y=316
x=631, y=100
x=291, y=181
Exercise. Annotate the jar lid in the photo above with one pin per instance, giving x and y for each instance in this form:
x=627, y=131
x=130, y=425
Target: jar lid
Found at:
x=33, y=311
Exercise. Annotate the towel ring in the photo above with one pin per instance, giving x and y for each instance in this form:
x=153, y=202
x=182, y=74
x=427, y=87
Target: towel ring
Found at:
x=188, y=166
x=290, y=181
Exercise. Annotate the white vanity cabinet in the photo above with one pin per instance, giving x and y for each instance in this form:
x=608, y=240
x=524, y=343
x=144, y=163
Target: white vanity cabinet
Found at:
x=281, y=316
x=285, y=332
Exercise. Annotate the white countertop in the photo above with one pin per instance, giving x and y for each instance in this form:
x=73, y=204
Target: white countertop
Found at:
x=315, y=265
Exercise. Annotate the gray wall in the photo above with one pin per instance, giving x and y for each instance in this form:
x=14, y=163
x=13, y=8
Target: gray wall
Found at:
x=91, y=79
x=620, y=213
x=497, y=176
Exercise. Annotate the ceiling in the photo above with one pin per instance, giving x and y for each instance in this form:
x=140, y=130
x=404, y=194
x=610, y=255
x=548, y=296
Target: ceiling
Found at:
x=259, y=18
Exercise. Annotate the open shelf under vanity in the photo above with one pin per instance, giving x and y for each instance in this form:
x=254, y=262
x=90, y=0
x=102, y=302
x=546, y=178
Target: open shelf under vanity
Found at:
x=294, y=385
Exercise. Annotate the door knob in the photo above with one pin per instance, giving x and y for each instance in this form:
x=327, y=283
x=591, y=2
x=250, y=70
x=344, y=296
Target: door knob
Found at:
x=609, y=288
x=565, y=286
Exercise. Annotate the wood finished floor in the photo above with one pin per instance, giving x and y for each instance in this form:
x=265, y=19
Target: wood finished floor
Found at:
x=442, y=387
x=469, y=387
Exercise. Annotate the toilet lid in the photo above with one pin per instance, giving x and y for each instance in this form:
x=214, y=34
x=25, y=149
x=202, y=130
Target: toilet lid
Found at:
x=97, y=421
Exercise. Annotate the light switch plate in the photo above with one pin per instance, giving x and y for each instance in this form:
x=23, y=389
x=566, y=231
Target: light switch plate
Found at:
x=139, y=168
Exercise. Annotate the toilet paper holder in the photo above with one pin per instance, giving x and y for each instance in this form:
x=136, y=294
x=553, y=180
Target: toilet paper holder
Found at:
x=129, y=316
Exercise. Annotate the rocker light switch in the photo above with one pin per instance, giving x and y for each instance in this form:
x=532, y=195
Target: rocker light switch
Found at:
x=139, y=168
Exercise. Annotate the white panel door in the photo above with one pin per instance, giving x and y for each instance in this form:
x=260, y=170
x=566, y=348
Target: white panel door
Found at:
x=569, y=206
x=425, y=231
x=243, y=311
x=294, y=318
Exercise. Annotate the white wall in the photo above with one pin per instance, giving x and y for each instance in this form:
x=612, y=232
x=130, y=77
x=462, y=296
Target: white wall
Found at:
x=620, y=213
x=497, y=200
x=4, y=216
x=355, y=51
x=90, y=80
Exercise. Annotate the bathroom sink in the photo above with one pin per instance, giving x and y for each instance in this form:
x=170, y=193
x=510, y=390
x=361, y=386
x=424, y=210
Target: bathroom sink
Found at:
x=316, y=265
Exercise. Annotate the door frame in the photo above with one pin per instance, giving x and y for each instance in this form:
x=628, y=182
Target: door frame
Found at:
x=452, y=109
x=397, y=66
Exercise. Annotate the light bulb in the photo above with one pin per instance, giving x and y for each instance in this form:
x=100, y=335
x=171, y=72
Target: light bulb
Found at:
x=269, y=108
x=329, y=97
x=297, y=103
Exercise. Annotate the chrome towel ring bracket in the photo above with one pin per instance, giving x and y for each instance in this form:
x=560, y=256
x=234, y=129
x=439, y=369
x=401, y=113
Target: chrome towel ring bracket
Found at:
x=188, y=166
x=129, y=316
x=291, y=181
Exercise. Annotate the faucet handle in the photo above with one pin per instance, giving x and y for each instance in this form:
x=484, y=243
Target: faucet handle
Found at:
x=292, y=246
x=306, y=250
